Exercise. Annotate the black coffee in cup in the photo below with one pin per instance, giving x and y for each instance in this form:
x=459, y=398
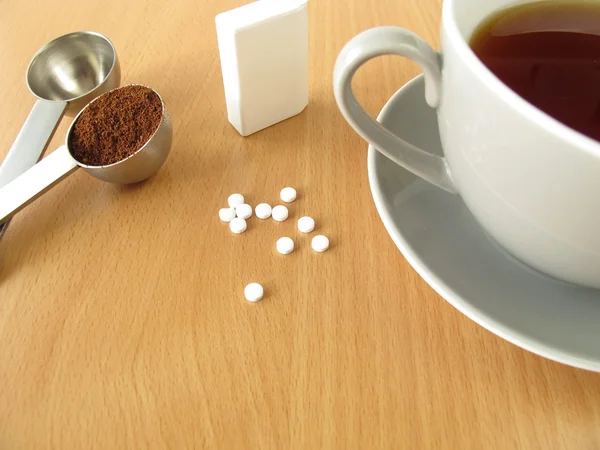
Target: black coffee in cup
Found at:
x=549, y=53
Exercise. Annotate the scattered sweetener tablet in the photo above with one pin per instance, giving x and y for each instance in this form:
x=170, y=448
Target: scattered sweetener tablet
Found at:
x=306, y=224
x=288, y=194
x=226, y=214
x=280, y=213
x=285, y=245
x=253, y=292
x=238, y=225
x=235, y=200
x=243, y=211
x=263, y=211
x=320, y=243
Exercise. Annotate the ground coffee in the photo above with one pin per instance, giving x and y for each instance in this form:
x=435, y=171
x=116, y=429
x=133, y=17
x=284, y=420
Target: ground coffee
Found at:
x=115, y=126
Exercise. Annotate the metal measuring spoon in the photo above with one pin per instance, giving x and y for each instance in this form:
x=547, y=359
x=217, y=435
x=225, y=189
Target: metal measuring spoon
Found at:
x=144, y=163
x=64, y=75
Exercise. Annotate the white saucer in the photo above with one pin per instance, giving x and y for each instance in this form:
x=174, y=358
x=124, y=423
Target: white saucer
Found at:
x=440, y=238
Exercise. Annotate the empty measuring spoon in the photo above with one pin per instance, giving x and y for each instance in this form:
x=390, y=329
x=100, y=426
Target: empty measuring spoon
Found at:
x=64, y=75
x=59, y=164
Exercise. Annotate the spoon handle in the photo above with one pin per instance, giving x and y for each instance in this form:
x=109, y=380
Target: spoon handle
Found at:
x=34, y=182
x=31, y=142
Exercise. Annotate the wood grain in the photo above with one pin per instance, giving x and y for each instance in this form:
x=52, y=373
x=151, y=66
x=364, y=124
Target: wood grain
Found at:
x=122, y=317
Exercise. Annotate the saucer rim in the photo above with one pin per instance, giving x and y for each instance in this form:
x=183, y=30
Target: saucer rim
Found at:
x=438, y=285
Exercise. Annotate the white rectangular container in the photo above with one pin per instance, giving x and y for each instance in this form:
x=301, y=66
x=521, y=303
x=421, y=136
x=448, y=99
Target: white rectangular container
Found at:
x=263, y=48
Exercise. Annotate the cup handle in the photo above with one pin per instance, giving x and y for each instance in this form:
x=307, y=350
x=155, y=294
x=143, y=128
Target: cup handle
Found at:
x=391, y=41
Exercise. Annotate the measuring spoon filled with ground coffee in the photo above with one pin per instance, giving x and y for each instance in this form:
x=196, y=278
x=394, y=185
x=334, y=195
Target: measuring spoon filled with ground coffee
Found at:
x=124, y=136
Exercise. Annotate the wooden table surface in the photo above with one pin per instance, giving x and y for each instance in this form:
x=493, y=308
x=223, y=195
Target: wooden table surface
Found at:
x=122, y=317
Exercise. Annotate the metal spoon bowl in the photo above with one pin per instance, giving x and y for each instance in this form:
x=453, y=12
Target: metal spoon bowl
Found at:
x=144, y=163
x=74, y=68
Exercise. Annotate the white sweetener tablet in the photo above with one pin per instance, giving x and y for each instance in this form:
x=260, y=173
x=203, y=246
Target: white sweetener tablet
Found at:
x=263, y=211
x=227, y=214
x=253, y=292
x=320, y=243
x=285, y=245
x=235, y=200
x=306, y=224
x=263, y=48
x=243, y=211
x=288, y=194
x=237, y=225
x=279, y=213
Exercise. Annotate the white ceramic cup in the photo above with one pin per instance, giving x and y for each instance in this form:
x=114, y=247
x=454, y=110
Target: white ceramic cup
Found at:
x=531, y=182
